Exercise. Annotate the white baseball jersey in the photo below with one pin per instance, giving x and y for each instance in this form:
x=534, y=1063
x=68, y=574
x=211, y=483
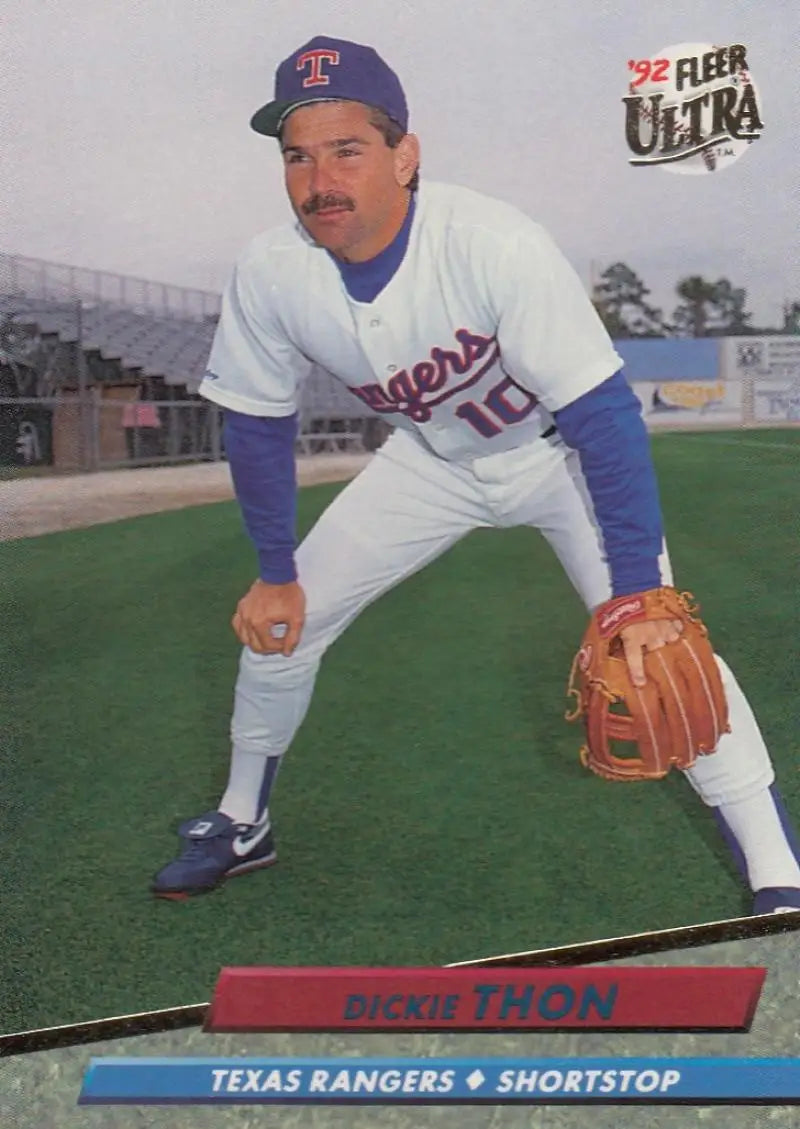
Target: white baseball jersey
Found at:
x=481, y=334
x=483, y=331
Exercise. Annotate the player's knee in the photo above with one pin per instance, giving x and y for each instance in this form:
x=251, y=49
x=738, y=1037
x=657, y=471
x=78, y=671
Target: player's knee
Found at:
x=259, y=669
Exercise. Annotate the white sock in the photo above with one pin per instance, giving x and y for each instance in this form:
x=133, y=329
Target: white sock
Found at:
x=756, y=826
x=249, y=786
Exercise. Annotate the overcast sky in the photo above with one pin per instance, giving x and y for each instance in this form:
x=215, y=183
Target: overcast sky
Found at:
x=126, y=145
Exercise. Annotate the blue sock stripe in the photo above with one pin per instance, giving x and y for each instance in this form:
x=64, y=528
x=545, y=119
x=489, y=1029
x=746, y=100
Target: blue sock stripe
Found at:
x=732, y=843
x=270, y=772
x=786, y=826
x=786, y=823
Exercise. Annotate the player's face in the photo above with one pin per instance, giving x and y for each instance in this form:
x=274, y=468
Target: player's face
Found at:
x=344, y=182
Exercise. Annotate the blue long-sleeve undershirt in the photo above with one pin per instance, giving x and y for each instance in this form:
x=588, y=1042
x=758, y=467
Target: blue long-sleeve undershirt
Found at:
x=606, y=427
x=260, y=455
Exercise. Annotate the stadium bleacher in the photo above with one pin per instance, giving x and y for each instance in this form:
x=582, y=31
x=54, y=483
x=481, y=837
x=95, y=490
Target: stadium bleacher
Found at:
x=170, y=348
x=150, y=330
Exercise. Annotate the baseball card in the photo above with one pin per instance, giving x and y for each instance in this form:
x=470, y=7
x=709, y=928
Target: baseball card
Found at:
x=398, y=494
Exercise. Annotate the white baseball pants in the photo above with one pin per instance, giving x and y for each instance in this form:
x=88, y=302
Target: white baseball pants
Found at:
x=406, y=508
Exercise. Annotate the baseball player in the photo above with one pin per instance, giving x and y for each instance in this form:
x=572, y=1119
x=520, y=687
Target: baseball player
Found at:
x=456, y=318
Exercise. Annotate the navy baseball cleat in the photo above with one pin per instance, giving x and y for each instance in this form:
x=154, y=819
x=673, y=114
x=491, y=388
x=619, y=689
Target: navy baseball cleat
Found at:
x=216, y=849
x=777, y=899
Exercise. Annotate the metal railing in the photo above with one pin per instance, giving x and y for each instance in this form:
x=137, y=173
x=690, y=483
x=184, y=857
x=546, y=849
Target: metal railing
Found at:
x=38, y=278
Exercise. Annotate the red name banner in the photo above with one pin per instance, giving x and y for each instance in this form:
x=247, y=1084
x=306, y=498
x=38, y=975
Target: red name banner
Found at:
x=474, y=999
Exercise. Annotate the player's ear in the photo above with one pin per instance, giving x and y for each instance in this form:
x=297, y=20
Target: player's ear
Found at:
x=406, y=159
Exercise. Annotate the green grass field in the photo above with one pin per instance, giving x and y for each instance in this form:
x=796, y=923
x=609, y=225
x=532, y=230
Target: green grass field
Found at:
x=432, y=808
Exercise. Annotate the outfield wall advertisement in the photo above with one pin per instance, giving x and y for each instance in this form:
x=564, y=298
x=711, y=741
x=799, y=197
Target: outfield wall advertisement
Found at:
x=761, y=358
x=777, y=401
x=679, y=402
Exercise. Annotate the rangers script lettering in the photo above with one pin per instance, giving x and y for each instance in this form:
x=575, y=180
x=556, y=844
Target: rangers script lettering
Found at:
x=405, y=392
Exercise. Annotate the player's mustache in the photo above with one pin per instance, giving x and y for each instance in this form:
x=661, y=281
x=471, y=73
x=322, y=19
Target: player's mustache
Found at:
x=321, y=203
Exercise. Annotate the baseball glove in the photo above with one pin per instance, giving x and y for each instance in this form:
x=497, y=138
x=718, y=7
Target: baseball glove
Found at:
x=679, y=714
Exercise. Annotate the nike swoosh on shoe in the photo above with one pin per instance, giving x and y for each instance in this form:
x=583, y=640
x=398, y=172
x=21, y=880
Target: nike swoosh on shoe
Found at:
x=243, y=844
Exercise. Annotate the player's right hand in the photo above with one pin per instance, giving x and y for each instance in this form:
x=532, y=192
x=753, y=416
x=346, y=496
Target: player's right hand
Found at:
x=269, y=618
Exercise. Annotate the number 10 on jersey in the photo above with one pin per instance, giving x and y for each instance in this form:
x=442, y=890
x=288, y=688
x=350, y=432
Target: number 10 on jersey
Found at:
x=497, y=409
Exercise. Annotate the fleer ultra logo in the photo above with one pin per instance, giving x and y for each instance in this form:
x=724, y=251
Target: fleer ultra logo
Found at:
x=691, y=108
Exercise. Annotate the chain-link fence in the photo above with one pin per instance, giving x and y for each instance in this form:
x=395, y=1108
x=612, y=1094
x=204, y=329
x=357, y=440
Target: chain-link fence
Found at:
x=90, y=432
x=97, y=431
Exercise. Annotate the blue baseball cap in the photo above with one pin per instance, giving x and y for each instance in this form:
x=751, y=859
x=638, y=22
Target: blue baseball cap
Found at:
x=332, y=70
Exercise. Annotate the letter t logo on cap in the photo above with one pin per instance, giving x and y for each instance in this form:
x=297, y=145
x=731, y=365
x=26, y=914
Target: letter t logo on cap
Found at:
x=317, y=77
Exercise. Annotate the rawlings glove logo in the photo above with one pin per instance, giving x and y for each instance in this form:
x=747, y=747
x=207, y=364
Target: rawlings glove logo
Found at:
x=618, y=615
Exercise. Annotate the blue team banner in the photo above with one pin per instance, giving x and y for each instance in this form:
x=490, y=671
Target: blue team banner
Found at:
x=436, y=1081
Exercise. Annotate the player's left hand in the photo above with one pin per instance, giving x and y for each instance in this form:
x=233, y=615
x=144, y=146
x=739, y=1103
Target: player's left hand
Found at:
x=648, y=636
x=662, y=720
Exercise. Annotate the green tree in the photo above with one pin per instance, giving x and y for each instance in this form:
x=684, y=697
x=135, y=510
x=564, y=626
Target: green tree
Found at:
x=711, y=309
x=620, y=298
x=692, y=316
x=730, y=315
